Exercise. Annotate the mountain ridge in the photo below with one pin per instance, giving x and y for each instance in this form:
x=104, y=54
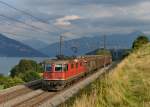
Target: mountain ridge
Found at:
x=13, y=48
x=87, y=44
x=35, y=43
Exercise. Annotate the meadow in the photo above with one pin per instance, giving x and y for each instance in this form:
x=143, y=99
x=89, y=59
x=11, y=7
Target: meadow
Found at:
x=127, y=85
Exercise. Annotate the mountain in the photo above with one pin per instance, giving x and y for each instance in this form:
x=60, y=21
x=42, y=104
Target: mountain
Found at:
x=86, y=44
x=35, y=43
x=13, y=48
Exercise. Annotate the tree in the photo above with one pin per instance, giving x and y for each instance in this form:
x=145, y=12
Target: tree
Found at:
x=30, y=76
x=103, y=52
x=140, y=41
x=25, y=66
x=1, y=75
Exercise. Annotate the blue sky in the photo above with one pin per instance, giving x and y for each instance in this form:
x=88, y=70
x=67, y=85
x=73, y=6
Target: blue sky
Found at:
x=75, y=18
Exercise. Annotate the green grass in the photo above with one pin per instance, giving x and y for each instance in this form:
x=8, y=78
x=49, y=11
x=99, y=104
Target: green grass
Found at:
x=1, y=87
x=128, y=85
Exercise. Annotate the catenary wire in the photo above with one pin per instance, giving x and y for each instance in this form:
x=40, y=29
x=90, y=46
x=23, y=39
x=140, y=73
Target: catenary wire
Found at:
x=32, y=26
x=24, y=12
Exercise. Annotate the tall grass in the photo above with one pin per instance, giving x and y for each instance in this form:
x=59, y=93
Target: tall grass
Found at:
x=128, y=85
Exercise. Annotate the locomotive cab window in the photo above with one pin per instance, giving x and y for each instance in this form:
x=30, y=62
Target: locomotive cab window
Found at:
x=72, y=66
x=65, y=67
x=58, y=67
x=76, y=65
x=80, y=63
x=48, y=67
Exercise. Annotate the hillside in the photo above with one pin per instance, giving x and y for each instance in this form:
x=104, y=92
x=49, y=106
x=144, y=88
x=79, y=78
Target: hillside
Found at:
x=127, y=86
x=13, y=48
x=87, y=44
x=116, y=53
x=35, y=43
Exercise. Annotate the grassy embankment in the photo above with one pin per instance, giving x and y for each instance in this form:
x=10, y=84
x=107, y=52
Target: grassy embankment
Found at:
x=1, y=87
x=127, y=86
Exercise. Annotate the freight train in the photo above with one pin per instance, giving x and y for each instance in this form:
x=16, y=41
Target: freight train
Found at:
x=59, y=73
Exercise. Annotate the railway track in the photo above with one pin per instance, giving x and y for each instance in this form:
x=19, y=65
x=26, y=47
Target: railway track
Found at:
x=35, y=100
x=28, y=97
x=16, y=91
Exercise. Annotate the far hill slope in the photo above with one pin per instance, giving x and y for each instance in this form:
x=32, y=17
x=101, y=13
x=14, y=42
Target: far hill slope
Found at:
x=127, y=86
x=117, y=54
x=13, y=48
x=35, y=43
x=87, y=44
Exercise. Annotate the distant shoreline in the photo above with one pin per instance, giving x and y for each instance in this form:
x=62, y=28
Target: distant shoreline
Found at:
x=7, y=63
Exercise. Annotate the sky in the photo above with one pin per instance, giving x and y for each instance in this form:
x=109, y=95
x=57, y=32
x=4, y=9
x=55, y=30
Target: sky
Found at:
x=73, y=18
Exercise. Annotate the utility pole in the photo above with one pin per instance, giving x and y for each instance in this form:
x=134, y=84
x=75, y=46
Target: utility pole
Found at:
x=61, y=40
x=104, y=44
x=104, y=37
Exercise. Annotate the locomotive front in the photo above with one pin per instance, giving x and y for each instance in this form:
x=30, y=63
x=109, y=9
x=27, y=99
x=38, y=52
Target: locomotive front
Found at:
x=54, y=74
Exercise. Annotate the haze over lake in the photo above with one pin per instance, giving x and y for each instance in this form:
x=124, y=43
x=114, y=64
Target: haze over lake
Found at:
x=7, y=63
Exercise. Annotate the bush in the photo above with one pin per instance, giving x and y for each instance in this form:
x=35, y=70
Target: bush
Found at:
x=7, y=82
x=140, y=41
x=25, y=66
x=1, y=75
x=30, y=76
x=25, y=71
x=103, y=52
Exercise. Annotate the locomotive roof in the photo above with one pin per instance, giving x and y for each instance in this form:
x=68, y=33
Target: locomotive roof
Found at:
x=63, y=61
x=51, y=61
x=56, y=61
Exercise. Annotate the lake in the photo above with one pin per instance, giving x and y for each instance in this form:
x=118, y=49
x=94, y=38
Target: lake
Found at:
x=7, y=63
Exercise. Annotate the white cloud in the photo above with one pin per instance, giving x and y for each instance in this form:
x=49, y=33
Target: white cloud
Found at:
x=65, y=21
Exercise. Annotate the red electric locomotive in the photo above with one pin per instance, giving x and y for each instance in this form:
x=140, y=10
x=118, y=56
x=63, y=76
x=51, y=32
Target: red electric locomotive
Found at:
x=58, y=73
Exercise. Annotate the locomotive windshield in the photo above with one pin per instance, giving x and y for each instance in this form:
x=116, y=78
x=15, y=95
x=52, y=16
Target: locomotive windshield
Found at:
x=58, y=67
x=61, y=67
x=48, y=67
